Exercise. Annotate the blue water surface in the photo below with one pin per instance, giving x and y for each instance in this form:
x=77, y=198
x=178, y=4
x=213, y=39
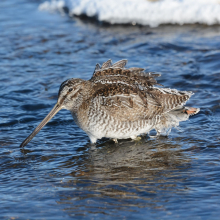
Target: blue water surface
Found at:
x=59, y=175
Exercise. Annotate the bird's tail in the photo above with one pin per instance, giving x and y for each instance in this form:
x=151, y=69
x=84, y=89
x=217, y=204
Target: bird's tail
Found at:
x=173, y=118
x=190, y=110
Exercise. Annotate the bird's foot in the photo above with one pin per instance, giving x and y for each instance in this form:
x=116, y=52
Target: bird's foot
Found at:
x=135, y=138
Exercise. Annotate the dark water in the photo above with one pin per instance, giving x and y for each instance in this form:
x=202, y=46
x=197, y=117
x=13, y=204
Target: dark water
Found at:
x=58, y=175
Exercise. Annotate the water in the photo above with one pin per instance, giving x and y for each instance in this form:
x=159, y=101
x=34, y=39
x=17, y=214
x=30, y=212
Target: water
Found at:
x=58, y=174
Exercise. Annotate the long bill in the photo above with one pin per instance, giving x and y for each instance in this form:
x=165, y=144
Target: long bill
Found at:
x=53, y=112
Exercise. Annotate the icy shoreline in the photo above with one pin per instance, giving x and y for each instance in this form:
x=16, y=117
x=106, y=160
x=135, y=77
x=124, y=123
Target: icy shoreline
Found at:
x=144, y=12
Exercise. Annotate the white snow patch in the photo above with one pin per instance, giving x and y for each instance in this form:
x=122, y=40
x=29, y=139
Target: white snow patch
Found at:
x=144, y=12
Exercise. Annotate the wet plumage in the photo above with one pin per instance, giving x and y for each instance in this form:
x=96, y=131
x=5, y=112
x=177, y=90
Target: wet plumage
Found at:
x=120, y=103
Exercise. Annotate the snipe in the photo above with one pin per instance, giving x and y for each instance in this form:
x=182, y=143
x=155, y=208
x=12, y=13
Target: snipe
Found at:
x=120, y=103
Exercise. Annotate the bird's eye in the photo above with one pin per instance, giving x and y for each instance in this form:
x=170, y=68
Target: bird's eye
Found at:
x=71, y=89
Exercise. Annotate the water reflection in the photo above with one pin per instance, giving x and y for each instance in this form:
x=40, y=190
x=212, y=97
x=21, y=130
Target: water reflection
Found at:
x=131, y=174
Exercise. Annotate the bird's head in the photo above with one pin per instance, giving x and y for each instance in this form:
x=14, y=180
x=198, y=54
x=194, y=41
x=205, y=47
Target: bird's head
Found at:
x=69, y=93
x=68, y=98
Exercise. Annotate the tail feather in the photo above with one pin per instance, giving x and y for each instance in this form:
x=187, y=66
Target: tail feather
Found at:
x=172, y=119
x=191, y=110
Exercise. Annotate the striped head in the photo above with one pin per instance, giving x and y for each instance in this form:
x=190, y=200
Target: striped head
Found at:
x=69, y=94
x=69, y=97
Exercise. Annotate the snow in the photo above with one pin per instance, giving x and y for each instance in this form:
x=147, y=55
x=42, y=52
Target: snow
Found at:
x=144, y=12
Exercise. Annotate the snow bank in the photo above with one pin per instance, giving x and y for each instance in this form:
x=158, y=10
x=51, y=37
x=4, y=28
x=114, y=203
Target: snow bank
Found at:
x=144, y=12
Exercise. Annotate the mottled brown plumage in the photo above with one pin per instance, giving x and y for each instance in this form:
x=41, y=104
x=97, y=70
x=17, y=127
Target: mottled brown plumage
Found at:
x=120, y=103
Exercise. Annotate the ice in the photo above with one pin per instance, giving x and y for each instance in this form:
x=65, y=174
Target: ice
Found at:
x=144, y=12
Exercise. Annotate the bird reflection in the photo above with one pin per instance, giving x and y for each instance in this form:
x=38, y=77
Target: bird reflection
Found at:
x=130, y=174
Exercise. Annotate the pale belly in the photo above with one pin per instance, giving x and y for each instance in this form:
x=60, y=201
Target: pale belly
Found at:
x=102, y=125
x=116, y=129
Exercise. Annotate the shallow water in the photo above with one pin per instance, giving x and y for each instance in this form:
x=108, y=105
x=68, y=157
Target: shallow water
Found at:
x=59, y=174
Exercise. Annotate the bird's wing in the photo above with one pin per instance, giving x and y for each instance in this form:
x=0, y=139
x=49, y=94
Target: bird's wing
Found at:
x=169, y=99
x=131, y=94
x=125, y=101
x=118, y=69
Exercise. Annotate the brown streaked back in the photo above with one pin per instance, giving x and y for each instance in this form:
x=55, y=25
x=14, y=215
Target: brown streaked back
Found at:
x=121, y=87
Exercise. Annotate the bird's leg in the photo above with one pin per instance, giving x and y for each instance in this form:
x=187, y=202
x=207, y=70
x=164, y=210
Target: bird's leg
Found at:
x=158, y=132
x=115, y=140
x=92, y=139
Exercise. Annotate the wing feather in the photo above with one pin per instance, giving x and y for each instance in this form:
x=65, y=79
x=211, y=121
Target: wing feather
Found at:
x=97, y=67
x=170, y=98
x=107, y=64
x=135, y=73
x=120, y=64
x=130, y=93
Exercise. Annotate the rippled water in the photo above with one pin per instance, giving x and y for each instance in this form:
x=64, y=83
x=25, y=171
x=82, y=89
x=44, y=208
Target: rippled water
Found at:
x=59, y=174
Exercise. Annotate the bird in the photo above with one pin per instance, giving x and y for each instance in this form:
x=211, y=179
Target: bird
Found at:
x=120, y=103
